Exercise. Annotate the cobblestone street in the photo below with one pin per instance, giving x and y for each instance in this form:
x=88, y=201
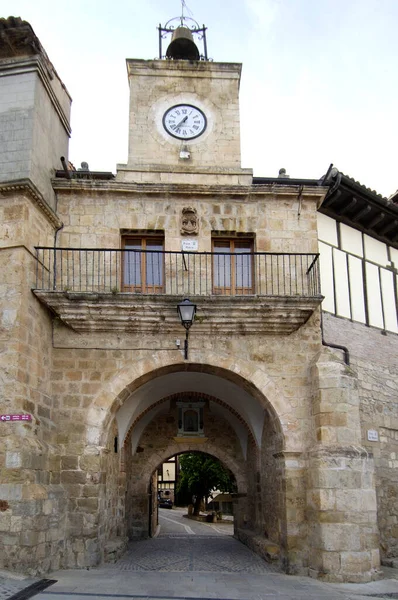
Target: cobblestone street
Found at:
x=10, y=586
x=190, y=566
x=188, y=553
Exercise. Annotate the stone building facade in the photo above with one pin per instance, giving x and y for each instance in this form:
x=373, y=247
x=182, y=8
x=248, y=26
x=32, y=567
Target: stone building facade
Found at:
x=92, y=349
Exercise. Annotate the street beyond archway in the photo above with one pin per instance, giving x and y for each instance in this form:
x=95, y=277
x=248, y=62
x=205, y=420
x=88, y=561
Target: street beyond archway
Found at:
x=173, y=523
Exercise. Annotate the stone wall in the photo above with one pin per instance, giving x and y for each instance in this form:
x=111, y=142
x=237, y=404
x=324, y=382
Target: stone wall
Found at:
x=342, y=512
x=287, y=400
x=16, y=120
x=271, y=496
x=34, y=118
x=374, y=358
x=86, y=378
x=33, y=503
x=97, y=217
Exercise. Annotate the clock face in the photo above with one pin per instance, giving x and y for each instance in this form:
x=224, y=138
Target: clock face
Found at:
x=184, y=121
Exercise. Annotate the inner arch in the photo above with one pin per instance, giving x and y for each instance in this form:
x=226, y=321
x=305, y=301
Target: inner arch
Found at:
x=145, y=399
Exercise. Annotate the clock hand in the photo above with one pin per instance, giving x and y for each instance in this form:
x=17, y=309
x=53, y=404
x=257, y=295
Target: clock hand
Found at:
x=181, y=122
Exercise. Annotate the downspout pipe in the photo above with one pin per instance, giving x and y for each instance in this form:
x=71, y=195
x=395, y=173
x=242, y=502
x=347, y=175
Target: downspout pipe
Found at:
x=337, y=346
x=55, y=247
x=324, y=181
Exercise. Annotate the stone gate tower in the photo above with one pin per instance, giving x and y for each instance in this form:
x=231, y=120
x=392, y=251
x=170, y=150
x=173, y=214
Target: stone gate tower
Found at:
x=90, y=332
x=184, y=119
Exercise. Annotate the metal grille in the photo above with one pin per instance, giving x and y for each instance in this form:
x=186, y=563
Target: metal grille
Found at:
x=176, y=273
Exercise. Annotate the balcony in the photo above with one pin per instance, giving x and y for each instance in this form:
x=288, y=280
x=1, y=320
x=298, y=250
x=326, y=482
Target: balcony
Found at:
x=135, y=290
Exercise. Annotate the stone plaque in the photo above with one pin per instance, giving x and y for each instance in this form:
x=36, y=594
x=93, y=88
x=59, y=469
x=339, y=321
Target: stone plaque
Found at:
x=373, y=435
x=189, y=245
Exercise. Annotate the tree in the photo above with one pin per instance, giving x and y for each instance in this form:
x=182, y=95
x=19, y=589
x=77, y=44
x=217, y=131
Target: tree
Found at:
x=200, y=474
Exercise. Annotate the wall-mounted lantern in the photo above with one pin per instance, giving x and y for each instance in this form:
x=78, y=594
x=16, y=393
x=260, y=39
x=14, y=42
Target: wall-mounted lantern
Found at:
x=186, y=311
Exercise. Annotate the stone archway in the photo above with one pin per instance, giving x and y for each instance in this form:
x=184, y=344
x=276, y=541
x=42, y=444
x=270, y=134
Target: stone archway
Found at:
x=135, y=390
x=143, y=489
x=208, y=448
x=250, y=377
x=158, y=442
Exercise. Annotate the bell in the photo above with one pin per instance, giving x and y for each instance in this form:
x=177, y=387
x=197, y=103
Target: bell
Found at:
x=182, y=46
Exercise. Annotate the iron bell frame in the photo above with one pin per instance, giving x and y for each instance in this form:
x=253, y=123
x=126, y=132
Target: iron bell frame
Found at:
x=190, y=24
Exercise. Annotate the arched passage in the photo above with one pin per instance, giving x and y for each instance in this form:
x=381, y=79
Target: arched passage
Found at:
x=158, y=440
x=158, y=458
x=238, y=475
x=248, y=424
x=250, y=379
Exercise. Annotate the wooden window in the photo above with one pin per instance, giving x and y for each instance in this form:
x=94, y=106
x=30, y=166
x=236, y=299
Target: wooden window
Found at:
x=233, y=266
x=143, y=264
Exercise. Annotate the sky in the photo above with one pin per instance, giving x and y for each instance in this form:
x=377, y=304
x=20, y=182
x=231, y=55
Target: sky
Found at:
x=319, y=81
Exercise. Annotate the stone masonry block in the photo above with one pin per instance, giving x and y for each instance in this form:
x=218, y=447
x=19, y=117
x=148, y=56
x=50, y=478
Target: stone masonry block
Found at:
x=356, y=562
x=73, y=477
x=337, y=537
x=69, y=463
x=90, y=463
x=322, y=499
x=10, y=492
x=34, y=492
x=349, y=500
x=13, y=460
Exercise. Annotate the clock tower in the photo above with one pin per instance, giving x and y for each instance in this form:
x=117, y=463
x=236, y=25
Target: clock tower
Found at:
x=184, y=115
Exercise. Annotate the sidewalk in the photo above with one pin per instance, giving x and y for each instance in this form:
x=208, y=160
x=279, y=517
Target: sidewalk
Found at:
x=11, y=584
x=116, y=581
x=387, y=587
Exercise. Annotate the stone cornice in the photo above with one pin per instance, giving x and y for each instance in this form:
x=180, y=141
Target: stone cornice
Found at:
x=186, y=169
x=27, y=187
x=234, y=191
x=183, y=68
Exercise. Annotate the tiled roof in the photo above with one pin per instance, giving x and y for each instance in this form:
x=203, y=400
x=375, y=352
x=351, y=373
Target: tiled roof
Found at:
x=364, y=187
x=13, y=23
x=352, y=203
x=394, y=197
x=17, y=38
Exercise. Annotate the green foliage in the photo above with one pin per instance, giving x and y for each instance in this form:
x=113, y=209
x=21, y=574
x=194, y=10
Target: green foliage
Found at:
x=200, y=474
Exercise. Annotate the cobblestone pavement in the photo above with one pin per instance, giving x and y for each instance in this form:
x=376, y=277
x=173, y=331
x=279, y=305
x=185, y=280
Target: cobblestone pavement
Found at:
x=196, y=567
x=184, y=552
x=10, y=586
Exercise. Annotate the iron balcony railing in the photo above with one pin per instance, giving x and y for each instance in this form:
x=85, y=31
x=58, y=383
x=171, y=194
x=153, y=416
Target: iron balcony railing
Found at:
x=177, y=273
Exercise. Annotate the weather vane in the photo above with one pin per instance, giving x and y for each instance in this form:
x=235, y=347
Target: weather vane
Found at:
x=184, y=5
